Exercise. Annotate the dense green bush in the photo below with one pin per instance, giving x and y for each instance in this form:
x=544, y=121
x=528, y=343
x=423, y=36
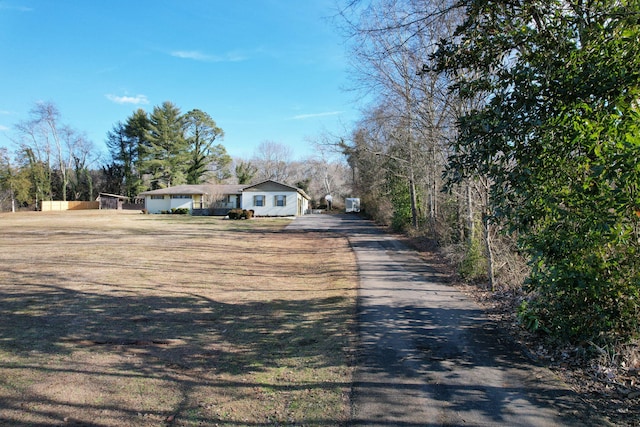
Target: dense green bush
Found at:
x=474, y=264
x=234, y=213
x=240, y=214
x=400, y=197
x=176, y=211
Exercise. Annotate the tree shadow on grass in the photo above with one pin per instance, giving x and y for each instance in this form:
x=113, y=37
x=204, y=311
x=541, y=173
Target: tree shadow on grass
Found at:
x=183, y=342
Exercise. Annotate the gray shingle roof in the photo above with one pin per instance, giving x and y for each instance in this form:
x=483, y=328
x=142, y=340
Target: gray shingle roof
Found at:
x=192, y=189
x=212, y=189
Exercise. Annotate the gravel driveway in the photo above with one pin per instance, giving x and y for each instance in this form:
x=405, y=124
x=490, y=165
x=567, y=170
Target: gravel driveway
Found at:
x=428, y=356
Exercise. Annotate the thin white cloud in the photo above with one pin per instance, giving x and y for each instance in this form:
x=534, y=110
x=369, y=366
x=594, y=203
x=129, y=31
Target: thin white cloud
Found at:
x=135, y=100
x=4, y=5
x=200, y=56
x=191, y=54
x=312, y=116
x=3, y=128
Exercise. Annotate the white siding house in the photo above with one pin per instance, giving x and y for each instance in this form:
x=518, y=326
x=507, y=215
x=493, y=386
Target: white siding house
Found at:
x=268, y=198
x=271, y=198
x=192, y=197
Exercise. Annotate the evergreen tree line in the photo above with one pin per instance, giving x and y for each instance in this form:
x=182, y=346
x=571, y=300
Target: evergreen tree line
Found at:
x=508, y=135
x=165, y=148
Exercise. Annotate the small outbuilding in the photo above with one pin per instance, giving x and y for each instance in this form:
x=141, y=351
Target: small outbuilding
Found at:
x=111, y=201
x=352, y=204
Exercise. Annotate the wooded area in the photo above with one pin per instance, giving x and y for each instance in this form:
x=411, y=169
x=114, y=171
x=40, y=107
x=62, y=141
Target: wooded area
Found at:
x=508, y=134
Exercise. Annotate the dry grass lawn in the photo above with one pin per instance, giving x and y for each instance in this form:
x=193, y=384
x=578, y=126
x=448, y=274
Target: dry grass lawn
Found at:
x=119, y=319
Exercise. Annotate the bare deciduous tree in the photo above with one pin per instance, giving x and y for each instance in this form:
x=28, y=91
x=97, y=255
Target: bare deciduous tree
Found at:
x=272, y=160
x=53, y=146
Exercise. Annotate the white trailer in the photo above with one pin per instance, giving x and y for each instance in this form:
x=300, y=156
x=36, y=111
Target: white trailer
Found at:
x=352, y=204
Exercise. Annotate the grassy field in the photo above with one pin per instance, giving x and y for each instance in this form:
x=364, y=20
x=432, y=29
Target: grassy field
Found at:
x=119, y=319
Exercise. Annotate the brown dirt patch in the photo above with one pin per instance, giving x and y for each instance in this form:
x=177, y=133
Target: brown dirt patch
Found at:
x=115, y=319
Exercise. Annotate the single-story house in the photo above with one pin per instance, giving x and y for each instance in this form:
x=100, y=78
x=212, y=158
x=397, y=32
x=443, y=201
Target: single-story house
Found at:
x=193, y=197
x=267, y=198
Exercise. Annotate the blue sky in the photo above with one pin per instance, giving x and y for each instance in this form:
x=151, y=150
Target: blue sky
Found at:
x=265, y=70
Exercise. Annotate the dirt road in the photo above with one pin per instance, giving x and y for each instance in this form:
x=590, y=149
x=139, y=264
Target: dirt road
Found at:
x=428, y=356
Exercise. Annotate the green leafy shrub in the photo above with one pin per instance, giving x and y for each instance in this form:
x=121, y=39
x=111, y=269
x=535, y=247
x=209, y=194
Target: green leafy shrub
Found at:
x=234, y=213
x=240, y=214
x=588, y=296
x=401, y=200
x=474, y=264
x=175, y=211
x=530, y=318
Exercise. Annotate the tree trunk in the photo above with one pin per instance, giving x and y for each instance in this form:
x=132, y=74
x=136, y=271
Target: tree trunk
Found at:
x=414, y=202
x=470, y=222
x=489, y=251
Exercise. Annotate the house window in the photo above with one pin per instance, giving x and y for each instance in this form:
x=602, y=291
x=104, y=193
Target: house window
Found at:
x=258, y=200
x=280, y=200
x=180, y=196
x=156, y=197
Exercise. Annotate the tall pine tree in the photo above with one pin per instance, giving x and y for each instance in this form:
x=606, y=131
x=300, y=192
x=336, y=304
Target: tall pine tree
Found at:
x=167, y=155
x=136, y=130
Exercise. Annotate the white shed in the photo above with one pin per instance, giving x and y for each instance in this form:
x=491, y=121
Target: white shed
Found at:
x=352, y=204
